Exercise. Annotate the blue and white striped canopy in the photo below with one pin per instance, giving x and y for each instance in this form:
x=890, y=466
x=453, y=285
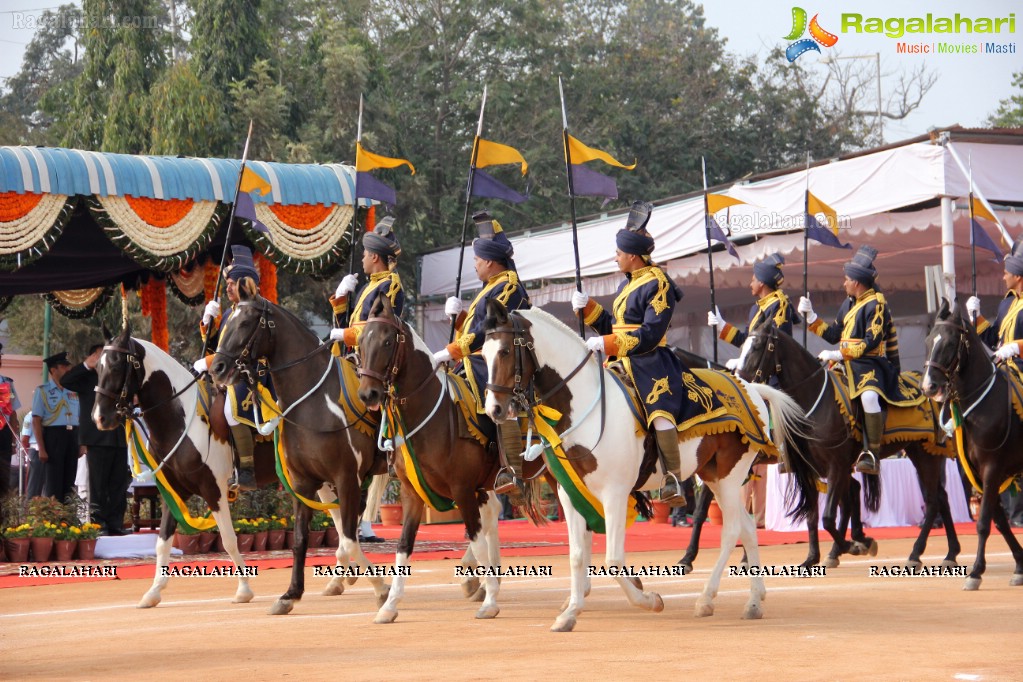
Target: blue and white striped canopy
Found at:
x=73, y=171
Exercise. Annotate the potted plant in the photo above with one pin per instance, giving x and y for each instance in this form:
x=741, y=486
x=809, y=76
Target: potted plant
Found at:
x=66, y=541
x=318, y=528
x=43, y=534
x=260, y=531
x=275, y=536
x=87, y=534
x=661, y=510
x=289, y=531
x=186, y=539
x=391, y=511
x=17, y=540
x=243, y=529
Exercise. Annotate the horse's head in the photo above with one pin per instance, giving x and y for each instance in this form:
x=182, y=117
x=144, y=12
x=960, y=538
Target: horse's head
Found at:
x=946, y=347
x=382, y=349
x=246, y=336
x=760, y=358
x=120, y=376
x=511, y=363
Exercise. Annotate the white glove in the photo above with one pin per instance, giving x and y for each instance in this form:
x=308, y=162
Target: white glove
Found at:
x=337, y=334
x=200, y=365
x=579, y=300
x=211, y=311
x=441, y=356
x=1007, y=351
x=714, y=318
x=806, y=308
x=973, y=306
x=595, y=344
x=830, y=355
x=347, y=285
x=452, y=307
x=732, y=364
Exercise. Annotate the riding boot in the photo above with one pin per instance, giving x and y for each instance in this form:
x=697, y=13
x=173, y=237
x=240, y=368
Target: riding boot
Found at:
x=509, y=481
x=245, y=446
x=671, y=487
x=873, y=427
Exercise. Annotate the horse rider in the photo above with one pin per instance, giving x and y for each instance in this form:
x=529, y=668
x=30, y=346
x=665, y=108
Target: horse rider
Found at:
x=241, y=403
x=634, y=332
x=771, y=304
x=1004, y=335
x=868, y=347
x=380, y=251
x=496, y=269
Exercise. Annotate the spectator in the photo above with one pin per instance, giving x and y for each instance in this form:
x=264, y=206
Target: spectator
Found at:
x=55, y=421
x=36, y=472
x=9, y=405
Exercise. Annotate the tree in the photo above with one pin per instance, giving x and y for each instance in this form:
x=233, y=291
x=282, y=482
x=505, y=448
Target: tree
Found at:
x=1010, y=111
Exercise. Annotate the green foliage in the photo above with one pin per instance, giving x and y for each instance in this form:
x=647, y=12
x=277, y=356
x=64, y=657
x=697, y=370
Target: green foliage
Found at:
x=1010, y=111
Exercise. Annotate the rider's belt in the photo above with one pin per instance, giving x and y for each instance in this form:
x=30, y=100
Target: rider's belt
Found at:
x=615, y=328
x=877, y=352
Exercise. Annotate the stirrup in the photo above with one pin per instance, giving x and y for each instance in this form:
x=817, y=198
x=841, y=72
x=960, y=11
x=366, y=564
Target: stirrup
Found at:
x=510, y=484
x=673, y=498
x=867, y=463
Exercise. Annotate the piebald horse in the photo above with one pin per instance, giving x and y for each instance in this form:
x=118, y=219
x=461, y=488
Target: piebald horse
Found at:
x=531, y=354
x=769, y=352
x=398, y=374
x=960, y=373
x=325, y=453
x=133, y=373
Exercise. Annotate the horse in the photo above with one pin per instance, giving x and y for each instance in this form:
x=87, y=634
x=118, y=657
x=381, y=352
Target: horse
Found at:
x=769, y=352
x=328, y=450
x=398, y=375
x=530, y=354
x=133, y=373
x=960, y=374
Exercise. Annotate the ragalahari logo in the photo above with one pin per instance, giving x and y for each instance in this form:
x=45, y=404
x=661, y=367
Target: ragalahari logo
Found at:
x=818, y=36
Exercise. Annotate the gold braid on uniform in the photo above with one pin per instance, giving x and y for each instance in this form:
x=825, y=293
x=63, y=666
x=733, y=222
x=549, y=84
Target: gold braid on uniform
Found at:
x=625, y=342
x=392, y=291
x=660, y=300
x=783, y=306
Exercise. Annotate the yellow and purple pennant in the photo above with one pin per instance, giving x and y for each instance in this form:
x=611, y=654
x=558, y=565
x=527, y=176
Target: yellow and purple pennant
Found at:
x=587, y=182
x=817, y=231
x=367, y=186
x=496, y=154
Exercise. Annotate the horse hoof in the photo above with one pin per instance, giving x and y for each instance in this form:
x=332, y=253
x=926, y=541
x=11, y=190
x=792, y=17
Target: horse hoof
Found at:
x=1016, y=580
x=872, y=548
x=488, y=612
x=470, y=587
x=637, y=583
x=914, y=564
x=658, y=605
x=949, y=563
x=971, y=585
x=687, y=567
x=148, y=601
x=745, y=566
x=282, y=607
x=479, y=595
x=385, y=616
x=243, y=597
x=351, y=579
x=564, y=624
x=335, y=587
x=382, y=599
x=831, y=562
x=704, y=609
x=753, y=612
x=856, y=549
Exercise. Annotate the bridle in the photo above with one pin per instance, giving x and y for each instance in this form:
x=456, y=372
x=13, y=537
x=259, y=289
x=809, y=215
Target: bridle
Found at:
x=771, y=353
x=395, y=363
x=962, y=347
x=132, y=370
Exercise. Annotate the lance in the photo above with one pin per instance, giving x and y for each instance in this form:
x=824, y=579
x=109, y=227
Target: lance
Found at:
x=806, y=239
x=710, y=255
x=571, y=199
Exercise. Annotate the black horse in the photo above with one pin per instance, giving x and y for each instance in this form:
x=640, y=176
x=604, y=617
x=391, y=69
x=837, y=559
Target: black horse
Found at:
x=960, y=372
x=770, y=352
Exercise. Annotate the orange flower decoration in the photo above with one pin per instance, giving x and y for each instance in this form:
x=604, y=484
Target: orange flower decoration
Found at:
x=301, y=216
x=267, y=277
x=160, y=212
x=14, y=206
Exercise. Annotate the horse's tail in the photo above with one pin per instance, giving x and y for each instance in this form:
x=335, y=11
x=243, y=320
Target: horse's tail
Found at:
x=533, y=506
x=790, y=431
x=643, y=505
x=872, y=491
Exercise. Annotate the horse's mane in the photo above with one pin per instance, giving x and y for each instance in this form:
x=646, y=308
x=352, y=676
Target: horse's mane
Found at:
x=539, y=315
x=178, y=375
x=291, y=316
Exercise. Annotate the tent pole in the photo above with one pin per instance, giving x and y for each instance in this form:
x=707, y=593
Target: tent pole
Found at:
x=47, y=323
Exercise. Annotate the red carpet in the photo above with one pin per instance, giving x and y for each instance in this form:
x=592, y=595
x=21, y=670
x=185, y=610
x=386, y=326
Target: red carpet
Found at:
x=447, y=541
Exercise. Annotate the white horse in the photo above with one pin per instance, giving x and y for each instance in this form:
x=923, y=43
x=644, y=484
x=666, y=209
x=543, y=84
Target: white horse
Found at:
x=611, y=458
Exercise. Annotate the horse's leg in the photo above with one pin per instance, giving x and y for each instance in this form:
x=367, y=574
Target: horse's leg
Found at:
x=579, y=539
x=990, y=507
x=336, y=585
x=163, y=547
x=1001, y=520
x=727, y=494
x=413, y=507
x=861, y=543
x=813, y=555
x=615, y=503
x=470, y=583
x=751, y=551
x=950, y=528
x=839, y=545
x=303, y=514
x=489, y=514
x=481, y=528
x=350, y=499
x=222, y=516
x=703, y=501
x=929, y=477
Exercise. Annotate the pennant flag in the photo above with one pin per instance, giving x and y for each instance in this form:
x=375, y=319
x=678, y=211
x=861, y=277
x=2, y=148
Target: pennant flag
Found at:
x=979, y=237
x=980, y=211
x=367, y=186
x=716, y=202
x=580, y=153
x=253, y=182
x=819, y=233
x=495, y=154
x=245, y=208
x=816, y=206
x=486, y=185
x=587, y=182
x=717, y=233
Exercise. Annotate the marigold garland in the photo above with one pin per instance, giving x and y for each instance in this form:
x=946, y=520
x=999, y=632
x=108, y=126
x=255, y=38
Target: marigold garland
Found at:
x=14, y=206
x=79, y=303
x=303, y=251
x=371, y=218
x=267, y=277
x=301, y=216
x=210, y=272
x=153, y=296
x=188, y=286
x=26, y=237
x=160, y=212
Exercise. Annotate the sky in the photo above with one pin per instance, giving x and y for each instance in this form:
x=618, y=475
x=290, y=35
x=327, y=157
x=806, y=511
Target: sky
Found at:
x=968, y=88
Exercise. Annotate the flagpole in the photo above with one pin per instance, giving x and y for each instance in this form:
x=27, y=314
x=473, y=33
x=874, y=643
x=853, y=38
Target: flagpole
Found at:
x=710, y=255
x=571, y=200
x=806, y=240
x=468, y=199
x=230, y=224
x=973, y=237
x=355, y=223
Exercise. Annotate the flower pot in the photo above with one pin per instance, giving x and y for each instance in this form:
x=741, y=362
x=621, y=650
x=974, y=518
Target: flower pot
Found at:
x=275, y=540
x=207, y=540
x=316, y=538
x=662, y=512
x=332, y=537
x=41, y=549
x=87, y=549
x=714, y=514
x=188, y=544
x=259, y=540
x=245, y=542
x=391, y=514
x=17, y=549
x=289, y=539
x=65, y=549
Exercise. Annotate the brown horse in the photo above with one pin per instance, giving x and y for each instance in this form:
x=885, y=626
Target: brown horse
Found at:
x=768, y=353
x=400, y=378
x=329, y=453
x=959, y=372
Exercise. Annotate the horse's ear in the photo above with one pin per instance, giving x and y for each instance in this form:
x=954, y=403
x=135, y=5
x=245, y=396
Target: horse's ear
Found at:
x=127, y=330
x=106, y=332
x=943, y=311
x=382, y=307
x=497, y=314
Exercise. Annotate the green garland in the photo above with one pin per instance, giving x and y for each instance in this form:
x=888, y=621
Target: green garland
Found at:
x=10, y=262
x=80, y=313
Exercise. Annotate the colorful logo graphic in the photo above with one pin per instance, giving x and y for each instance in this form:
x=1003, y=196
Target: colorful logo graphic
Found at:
x=818, y=36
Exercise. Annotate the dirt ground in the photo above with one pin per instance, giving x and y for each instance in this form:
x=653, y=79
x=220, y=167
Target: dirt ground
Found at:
x=845, y=625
